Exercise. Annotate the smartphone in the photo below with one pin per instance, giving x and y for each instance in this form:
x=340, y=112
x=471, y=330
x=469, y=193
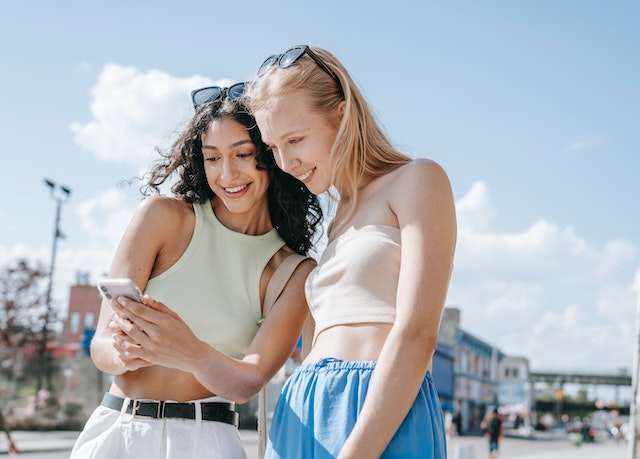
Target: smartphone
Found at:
x=113, y=288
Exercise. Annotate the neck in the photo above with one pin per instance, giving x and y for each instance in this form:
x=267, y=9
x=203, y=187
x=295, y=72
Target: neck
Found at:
x=255, y=221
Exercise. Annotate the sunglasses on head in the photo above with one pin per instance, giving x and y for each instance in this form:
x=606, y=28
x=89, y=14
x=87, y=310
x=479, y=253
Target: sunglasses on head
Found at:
x=212, y=93
x=291, y=55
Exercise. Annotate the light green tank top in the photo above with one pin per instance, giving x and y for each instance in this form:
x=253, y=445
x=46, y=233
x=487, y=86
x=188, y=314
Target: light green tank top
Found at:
x=215, y=285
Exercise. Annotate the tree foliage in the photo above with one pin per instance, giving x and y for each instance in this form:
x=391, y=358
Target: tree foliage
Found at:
x=22, y=303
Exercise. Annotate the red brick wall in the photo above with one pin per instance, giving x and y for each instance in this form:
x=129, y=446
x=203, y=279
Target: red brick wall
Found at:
x=84, y=308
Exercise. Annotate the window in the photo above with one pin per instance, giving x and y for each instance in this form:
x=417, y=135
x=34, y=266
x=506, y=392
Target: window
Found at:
x=88, y=320
x=74, y=322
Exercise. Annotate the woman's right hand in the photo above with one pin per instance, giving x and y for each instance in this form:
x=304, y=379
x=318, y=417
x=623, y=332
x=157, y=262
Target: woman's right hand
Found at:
x=130, y=362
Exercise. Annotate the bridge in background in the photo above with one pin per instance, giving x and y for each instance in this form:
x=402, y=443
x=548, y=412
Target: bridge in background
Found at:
x=601, y=379
x=559, y=379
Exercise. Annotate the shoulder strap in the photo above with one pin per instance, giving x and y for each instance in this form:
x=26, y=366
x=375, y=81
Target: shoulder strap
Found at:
x=277, y=282
x=279, y=279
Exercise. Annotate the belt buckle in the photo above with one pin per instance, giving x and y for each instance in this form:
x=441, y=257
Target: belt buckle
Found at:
x=159, y=408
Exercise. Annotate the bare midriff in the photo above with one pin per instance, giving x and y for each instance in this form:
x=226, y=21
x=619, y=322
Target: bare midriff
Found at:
x=159, y=383
x=353, y=342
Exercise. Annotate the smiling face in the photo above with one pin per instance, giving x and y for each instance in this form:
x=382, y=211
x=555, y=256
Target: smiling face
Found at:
x=230, y=165
x=301, y=139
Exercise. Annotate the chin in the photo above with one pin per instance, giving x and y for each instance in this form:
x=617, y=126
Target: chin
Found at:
x=316, y=187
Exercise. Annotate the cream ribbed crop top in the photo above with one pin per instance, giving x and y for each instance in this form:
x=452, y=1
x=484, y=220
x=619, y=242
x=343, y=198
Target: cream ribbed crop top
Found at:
x=356, y=280
x=215, y=285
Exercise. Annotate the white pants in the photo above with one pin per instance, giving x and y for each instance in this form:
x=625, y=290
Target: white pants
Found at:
x=111, y=434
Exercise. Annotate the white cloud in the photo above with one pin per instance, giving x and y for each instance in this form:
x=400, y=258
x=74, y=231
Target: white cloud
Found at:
x=474, y=209
x=105, y=216
x=543, y=292
x=102, y=219
x=133, y=111
x=540, y=252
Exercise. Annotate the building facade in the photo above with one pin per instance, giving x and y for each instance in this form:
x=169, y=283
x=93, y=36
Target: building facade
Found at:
x=82, y=317
x=475, y=372
x=515, y=392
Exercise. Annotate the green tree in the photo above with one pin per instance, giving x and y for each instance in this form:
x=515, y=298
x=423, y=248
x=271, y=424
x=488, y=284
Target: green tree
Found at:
x=23, y=315
x=582, y=396
x=22, y=303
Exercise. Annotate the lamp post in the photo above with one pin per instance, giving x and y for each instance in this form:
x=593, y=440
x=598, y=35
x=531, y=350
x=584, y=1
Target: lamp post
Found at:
x=60, y=194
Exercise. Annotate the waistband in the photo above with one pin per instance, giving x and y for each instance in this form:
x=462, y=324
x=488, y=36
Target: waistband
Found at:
x=334, y=364
x=159, y=409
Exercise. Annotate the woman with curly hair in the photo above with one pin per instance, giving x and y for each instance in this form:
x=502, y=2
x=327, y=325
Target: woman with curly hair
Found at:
x=208, y=253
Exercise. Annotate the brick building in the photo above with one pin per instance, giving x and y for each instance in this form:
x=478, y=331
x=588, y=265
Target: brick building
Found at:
x=82, y=318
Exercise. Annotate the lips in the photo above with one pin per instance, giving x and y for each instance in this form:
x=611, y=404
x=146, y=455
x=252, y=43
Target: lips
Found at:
x=235, y=189
x=306, y=175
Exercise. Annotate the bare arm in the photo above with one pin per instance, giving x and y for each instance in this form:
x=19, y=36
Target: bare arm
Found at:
x=428, y=233
x=141, y=253
x=239, y=380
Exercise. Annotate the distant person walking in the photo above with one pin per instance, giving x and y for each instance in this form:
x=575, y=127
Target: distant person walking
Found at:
x=13, y=449
x=492, y=428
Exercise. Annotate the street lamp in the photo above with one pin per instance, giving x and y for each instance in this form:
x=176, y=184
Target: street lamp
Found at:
x=60, y=194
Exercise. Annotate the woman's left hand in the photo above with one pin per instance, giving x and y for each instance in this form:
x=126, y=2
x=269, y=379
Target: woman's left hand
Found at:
x=150, y=330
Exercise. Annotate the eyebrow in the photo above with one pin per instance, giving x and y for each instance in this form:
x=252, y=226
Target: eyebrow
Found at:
x=233, y=145
x=296, y=131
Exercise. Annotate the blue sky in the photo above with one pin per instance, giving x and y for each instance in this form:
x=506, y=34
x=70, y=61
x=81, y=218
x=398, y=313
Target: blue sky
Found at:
x=531, y=107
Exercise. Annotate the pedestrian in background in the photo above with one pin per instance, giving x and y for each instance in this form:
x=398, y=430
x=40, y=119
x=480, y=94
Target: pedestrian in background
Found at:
x=13, y=448
x=492, y=428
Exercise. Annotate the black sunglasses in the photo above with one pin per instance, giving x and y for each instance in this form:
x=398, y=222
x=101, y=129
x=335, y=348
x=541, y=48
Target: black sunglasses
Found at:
x=291, y=55
x=212, y=93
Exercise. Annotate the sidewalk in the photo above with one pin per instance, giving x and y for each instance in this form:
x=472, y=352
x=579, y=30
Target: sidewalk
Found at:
x=535, y=448
x=58, y=444
x=61, y=441
x=30, y=441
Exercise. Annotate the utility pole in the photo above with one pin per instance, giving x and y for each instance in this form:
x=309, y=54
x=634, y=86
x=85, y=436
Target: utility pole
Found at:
x=60, y=194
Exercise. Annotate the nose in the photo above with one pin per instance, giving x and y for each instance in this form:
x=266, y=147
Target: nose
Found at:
x=229, y=170
x=285, y=161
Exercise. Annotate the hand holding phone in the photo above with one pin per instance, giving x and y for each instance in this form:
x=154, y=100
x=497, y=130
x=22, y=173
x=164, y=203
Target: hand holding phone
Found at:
x=113, y=288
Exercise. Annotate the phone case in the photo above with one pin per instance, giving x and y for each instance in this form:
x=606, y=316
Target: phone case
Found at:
x=113, y=288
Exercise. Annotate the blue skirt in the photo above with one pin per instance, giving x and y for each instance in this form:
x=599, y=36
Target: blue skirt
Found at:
x=320, y=404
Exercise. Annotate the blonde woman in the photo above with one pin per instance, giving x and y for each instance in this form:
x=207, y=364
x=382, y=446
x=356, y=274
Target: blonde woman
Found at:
x=377, y=295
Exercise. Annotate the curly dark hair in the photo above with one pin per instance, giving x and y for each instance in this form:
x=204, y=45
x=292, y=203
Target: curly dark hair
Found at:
x=295, y=211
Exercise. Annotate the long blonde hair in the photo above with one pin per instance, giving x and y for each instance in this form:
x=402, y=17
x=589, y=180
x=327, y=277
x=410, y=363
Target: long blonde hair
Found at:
x=361, y=148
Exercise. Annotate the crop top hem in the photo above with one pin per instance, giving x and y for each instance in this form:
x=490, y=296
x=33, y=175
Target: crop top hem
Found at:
x=356, y=319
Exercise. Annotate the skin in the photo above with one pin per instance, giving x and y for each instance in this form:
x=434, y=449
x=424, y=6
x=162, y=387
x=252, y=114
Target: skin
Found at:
x=417, y=199
x=142, y=352
x=300, y=139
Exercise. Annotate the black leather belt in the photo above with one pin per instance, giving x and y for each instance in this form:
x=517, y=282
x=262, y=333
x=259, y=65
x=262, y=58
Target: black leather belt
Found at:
x=158, y=409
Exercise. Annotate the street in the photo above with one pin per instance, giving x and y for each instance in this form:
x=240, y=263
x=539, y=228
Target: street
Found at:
x=520, y=448
x=57, y=445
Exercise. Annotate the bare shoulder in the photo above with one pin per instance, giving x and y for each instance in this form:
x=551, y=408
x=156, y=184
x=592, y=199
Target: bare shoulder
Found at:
x=163, y=220
x=421, y=187
x=163, y=209
x=421, y=172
